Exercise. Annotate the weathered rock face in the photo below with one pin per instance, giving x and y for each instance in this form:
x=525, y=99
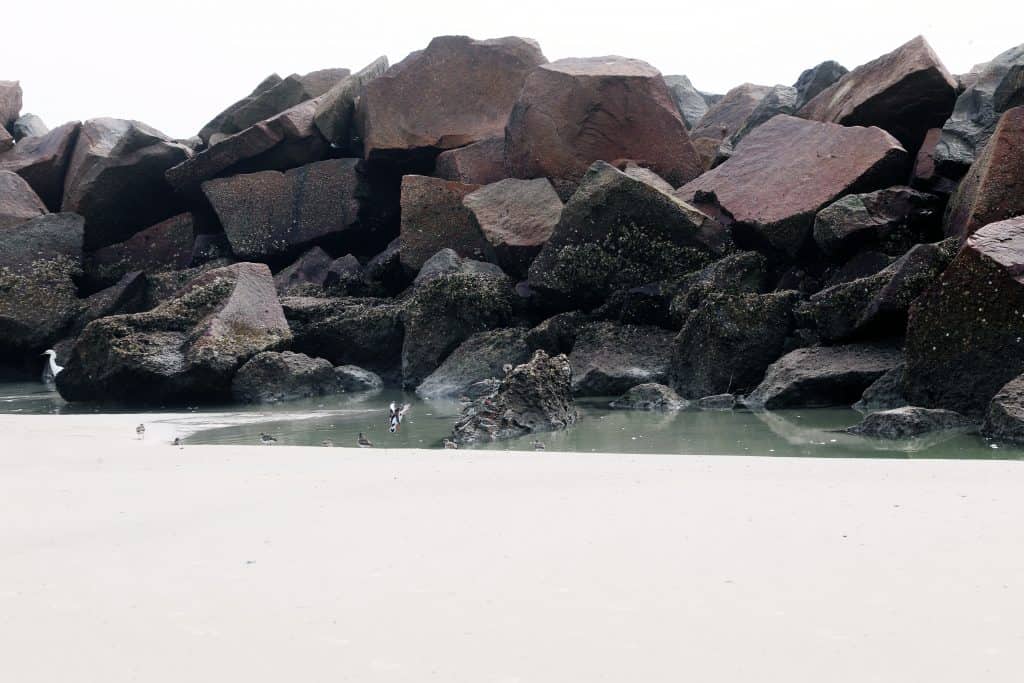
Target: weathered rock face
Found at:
x=822, y=376
x=1005, y=417
x=444, y=312
x=885, y=393
x=993, y=189
x=574, y=112
x=725, y=118
x=335, y=111
x=516, y=217
x=480, y=163
x=904, y=92
x=352, y=378
x=482, y=356
x=10, y=103
x=164, y=246
x=781, y=99
x=788, y=169
x=447, y=262
x=127, y=295
x=910, y=421
x=963, y=332
x=28, y=126
x=271, y=97
x=817, y=78
x=271, y=376
x=434, y=218
x=618, y=232
x=345, y=277
x=187, y=348
x=977, y=112
x=729, y=341
x=364, y=332
x=607, y=359
x=115, y=179
x=38, y=260
x=284, y=141
x=557, y=334
x=456, y=91
x=42, y=161
x=890, y=220
x=650, y=396
x=926, y=175
x=692, y=105
x=272, y=215
x=18, y=203
x=534, y=397
x=6, y=140
x=745, y=272
x=306, y=276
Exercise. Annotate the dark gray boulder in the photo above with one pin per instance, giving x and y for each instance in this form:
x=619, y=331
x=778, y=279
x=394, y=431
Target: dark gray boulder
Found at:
x=692, y=105
x=271, y=376
x=1005, y=417
x=335, y=111
x=352, y=379
x=556, y=334
x=607, y=358
x=744, y=272
x=127, y=295
x=909, y=422
x=18, y=202
x=28, y=126
x=448, y=262
x=890, y=220
x=306, y=276
x=885, y=393
x=781, y=99
x=482, y=356
x=650, y=396
x=817, y=78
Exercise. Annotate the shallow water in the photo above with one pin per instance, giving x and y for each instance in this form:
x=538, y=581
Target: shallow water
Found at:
x=810, y=433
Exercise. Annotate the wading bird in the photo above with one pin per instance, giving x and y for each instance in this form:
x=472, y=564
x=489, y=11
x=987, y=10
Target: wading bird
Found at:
x=395, y=416
x=363, y=441
x=51, y=370
x=267, y=439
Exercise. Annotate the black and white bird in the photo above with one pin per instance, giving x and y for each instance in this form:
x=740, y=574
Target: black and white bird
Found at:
x=363, y=441
x=140, y=431
x=448, y=443
x=539, y=446
x=177, y=442
x=395, y=416
x=51, y=370
x=267, y=439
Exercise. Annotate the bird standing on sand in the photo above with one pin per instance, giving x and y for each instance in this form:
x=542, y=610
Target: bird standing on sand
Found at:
x=140, y=431
x=448, y=443
x=363, y=441
x=177, y=442
x=395, y=416
x=539, y=445
x=267, y=439
x=327, y=443
x=51, y=370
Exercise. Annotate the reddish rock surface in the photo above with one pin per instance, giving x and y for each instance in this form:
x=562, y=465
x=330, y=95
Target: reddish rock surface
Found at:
x=574, y=112
x=516, y=217
x=905, y=92
x=115, y=179
x=42, y=161
x=925, y=175
x=454, y=92
x=10, y=103
x=726, y=117
x=434, y=218
x=994, y=187
x=18, y=203
x=481, y=163
x=164, y=246
x=964, y=333
x=6, y=140
x=274, y=215
x=786, y=170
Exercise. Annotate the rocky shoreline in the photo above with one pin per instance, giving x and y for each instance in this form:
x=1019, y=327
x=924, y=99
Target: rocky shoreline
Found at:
x=475, y=221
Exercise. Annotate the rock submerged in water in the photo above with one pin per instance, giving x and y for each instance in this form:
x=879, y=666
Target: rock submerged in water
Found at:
x=607, y=358
x=270, y=377
x=1005, y=417
x=650, y=396
x=534, y=397
x=909, y=422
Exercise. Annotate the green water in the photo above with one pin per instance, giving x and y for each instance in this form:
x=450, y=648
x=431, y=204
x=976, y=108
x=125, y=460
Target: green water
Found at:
x=810, y=433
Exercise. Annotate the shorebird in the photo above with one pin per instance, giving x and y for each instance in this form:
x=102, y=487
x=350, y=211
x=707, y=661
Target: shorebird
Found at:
x=538, y=445
x=395, y=416
x=506, y=368
x=177, y=442
x=267, y=439
x=448, y=443
x=327, y=443
x=363, y=441
x=141, y=431
x=51, y=370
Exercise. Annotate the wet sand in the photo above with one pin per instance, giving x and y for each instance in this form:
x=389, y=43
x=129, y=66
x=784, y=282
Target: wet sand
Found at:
x=127, y=560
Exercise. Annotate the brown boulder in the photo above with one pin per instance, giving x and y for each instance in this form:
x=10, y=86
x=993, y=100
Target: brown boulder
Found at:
x=10, y=103
x=925, y=175
x=517, y=218
x=274, y=215
x=904, y=92
x=454, y=92
x=164, y=246
x=993, y=189
x=434, y=218
x=335, y=111
x=574, y=112
x=43, y=161
x=726, y=117
x=6, y=140
x=480, y=163
x=786, y=170
x=18, y=203
x=115, y=179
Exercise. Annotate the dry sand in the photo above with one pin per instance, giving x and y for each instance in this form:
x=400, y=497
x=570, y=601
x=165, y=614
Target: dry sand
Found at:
x=123, y=560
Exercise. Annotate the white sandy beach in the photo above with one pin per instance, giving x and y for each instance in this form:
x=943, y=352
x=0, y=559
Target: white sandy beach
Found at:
x=123, y=560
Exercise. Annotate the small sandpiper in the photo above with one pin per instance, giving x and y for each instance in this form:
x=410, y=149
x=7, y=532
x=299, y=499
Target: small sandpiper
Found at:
x=327, y=443
x=539, y=446
x=448, y=443
x=267, y=439
x=363, y=441
x=140, y=431
x=177, y=442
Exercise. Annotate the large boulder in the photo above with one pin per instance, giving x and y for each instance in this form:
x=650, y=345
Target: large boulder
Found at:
x=483, y=356
x=187, y=348
x=271, y=97
x=28, y=126
x=516, y=217
x=726, y=117
x=454, y=92
x=357, y=331
x=744, y=272
x=533, y=397
x=617, y=232
x=447, y=262
x=904, y=92
x=890, y=220
x=18, y=202
x=817, y=78
x=127, y=295
x=1004, y=419
x=335, y=111
x=161, y=247
x=272, y=215
x=434, y=218
x=977, y=112
x=908, y=422
x=822, y=376
x=692, y=105
x=993, y=189
x=788, y=169
x=42, y=161
x=115, y=179
x=607, y=358
x=480, y=163
x=729, y=341
x=39, y=259
x=574, y=112
x=964, y=335
x=10, y=103
x=885, y=393
x=649, y=396
x=273, y=376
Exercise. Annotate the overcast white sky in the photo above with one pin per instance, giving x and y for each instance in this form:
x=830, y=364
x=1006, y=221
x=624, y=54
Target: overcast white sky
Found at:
x=174, y=64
